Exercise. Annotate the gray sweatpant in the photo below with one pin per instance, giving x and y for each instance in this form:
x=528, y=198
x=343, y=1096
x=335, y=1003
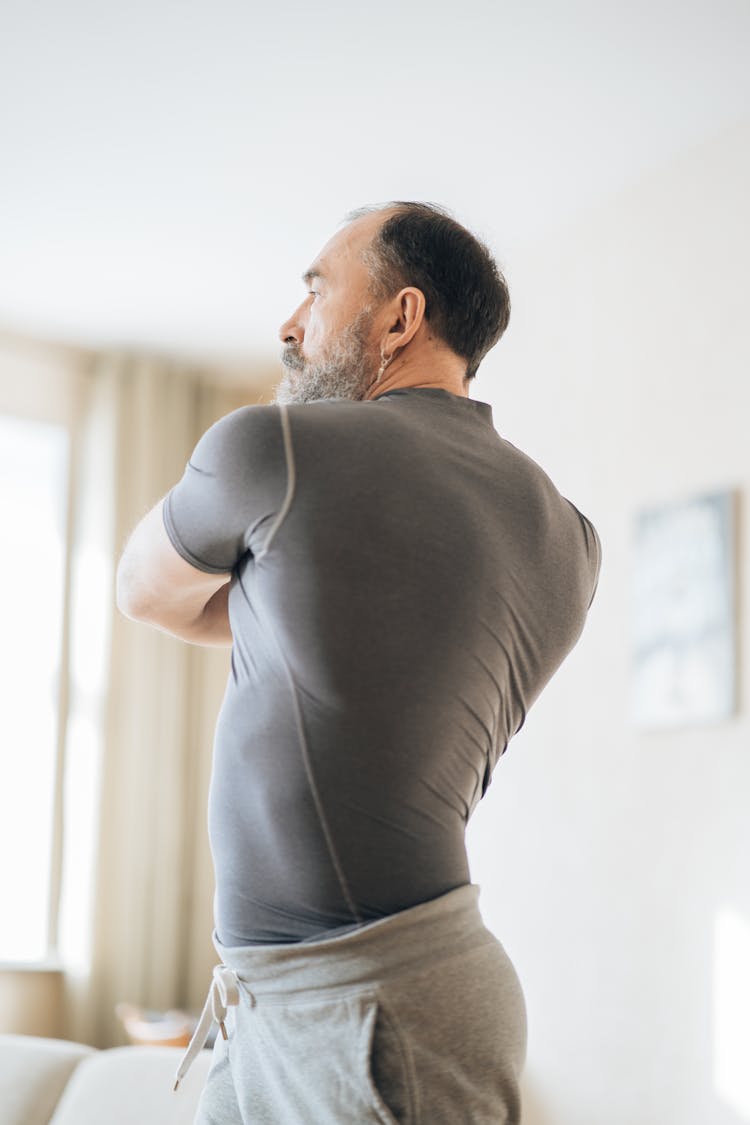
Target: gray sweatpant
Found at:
x=417, y=1018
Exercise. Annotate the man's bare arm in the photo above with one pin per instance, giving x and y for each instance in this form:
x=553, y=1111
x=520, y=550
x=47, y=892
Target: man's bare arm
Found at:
x=155, y=585
x=211, y=627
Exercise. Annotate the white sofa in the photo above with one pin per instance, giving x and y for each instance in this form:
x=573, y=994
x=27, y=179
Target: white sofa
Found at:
x=55, y=1082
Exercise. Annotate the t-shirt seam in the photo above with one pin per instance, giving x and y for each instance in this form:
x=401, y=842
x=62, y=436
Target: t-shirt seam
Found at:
x=290, y=479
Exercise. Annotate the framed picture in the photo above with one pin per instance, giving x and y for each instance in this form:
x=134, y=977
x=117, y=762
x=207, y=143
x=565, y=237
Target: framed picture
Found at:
x=683, y=612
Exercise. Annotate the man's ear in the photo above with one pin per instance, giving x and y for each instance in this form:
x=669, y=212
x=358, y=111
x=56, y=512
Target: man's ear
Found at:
x=409, y=312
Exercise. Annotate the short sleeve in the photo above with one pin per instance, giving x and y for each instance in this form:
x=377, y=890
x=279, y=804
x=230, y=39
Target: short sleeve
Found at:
x=597, y=560
x=593, y=549
x=231, y=490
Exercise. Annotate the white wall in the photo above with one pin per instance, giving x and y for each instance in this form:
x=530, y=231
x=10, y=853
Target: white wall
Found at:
x=614, y=864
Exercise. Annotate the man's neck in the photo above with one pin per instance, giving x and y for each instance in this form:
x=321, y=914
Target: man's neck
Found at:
x=451, y=380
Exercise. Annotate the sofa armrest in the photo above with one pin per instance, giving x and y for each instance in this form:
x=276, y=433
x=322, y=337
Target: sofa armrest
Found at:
x=33, y=1074
x=133, y=1086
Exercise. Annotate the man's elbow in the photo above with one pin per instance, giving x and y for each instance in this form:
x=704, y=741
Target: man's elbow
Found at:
x=129, y=609
x=128, y=598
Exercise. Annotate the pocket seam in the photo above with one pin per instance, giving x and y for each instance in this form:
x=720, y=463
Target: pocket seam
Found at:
x=390, y=1017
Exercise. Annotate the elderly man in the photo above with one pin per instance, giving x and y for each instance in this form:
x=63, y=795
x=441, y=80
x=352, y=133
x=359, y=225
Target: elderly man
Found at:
x=398, y=582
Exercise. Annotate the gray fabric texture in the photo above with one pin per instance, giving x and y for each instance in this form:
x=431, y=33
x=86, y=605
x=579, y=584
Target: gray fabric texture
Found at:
x=416, y=1019
x=404, y=582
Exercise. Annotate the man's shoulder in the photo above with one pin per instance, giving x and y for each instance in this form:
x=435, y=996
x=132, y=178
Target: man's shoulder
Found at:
x=249, y=436
x=260, y=434
x=252, y=417
x=337, y=417
x=257, y=421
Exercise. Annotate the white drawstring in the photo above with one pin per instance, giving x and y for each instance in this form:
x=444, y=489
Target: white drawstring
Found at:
x=223, y=993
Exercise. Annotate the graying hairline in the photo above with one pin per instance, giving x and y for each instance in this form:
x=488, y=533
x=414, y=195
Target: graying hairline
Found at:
x=397, y=205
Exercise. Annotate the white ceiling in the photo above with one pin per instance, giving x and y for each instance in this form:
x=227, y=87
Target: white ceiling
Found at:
x=169, y=169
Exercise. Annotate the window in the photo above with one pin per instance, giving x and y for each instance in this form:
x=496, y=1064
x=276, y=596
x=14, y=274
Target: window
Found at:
x=34, y=466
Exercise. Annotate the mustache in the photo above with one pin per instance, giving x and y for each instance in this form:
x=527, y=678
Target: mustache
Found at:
x=290, y=357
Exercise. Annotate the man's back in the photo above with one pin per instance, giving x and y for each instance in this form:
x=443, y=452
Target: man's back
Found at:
x=405, y=584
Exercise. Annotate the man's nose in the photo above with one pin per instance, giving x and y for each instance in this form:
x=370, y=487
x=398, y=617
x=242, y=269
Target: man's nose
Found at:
x=291, y=329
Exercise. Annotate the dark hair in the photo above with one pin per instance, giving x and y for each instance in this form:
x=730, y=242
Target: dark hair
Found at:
x=466, y=296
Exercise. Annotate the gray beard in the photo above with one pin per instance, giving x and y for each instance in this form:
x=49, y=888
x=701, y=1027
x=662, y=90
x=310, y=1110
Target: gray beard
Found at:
x=347, y=371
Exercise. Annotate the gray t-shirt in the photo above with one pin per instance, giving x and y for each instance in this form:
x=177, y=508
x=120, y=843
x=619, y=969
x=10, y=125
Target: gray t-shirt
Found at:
x=405, y=582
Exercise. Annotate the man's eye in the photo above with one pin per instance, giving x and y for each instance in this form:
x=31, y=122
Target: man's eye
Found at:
x=313, y=292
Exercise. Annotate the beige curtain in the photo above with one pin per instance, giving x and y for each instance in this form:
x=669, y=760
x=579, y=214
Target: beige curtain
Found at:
x=137, y=881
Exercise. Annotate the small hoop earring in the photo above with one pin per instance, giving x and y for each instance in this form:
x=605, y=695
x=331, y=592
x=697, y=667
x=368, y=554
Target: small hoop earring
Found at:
x=383, y=366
